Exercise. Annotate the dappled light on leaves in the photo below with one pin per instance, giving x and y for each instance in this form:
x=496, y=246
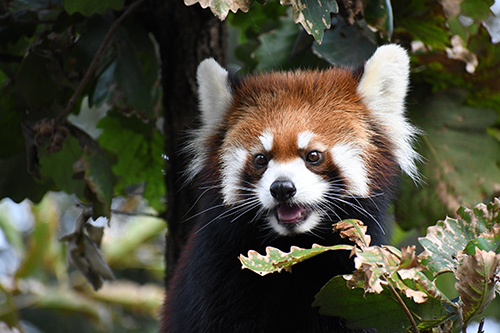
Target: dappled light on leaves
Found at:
x=276, y=260
x=468, y=246
x=221, y=8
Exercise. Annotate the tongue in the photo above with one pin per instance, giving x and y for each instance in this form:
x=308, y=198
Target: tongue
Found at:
x=290, y=213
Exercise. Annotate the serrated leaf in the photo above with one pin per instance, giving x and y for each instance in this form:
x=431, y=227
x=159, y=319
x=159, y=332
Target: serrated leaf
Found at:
x=477, y=276
x=139, y=148
x=221, y=8
x=313, y=15
x=355, y=231
x=276, y=260
x=449, y=237
x=362, y=310
x=378, y=266
x=89, y=7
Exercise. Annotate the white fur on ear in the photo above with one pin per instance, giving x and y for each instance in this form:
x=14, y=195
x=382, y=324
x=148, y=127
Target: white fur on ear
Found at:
x=383, y=87
x=214, y=94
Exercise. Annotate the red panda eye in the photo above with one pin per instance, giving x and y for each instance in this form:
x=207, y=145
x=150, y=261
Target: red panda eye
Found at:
x=314, y=157
x=260, y=160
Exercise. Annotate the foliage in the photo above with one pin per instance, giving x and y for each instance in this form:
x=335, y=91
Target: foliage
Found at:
x=55, y=58
x=59, y=62
x=39, y=292
x=400, y=281
x=62, y=60
x=455, y=90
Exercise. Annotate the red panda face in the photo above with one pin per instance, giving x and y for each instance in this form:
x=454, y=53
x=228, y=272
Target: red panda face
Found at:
x=288, y=148
x=294, y=146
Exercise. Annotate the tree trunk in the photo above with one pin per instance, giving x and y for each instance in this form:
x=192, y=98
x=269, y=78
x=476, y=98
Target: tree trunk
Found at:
x=186, y=36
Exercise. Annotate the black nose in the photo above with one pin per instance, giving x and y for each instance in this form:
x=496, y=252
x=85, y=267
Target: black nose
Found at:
x=282, y=189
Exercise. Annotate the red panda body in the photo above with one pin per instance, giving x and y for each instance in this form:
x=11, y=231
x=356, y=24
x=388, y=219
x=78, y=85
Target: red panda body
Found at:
x=279, y=158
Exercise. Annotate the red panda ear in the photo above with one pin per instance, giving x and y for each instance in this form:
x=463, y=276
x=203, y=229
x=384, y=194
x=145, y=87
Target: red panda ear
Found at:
x=214, y=92
x=383, y=87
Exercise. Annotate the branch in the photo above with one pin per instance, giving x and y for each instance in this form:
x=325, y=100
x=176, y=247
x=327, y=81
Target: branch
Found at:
x=95, y=61
x=405, y=308
x=481, y=324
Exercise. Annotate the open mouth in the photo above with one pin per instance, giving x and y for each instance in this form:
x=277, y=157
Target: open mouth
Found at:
x=289, y=214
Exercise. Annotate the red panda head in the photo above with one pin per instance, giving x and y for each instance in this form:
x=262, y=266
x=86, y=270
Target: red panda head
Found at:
x=291, y=145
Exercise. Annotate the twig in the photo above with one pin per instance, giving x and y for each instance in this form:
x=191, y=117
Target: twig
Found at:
x=95, y=61
x=121, y=212
x=405, y=308
x=481, y=324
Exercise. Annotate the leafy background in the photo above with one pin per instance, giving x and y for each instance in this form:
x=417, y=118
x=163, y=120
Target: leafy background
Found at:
x=104, y=146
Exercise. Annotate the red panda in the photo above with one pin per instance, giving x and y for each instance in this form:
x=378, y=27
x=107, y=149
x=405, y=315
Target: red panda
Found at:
x=278, y=159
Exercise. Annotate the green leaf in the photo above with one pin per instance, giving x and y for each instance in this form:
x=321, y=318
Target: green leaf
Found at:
x=98, y=178
x=89, y=7
x=347, y=45
x=139, y=149
x=129, y=80
x=449, y=237
x=362, y=310
x=313, y=15
x=58, y=166
x=477, y=9
x=275, y=46
x=275, y=260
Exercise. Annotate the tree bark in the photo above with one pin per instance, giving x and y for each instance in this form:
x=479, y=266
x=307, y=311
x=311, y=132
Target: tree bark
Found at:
x=186, y=36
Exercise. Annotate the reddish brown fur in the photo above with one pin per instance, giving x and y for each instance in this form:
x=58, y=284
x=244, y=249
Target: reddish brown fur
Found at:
x=325, y=103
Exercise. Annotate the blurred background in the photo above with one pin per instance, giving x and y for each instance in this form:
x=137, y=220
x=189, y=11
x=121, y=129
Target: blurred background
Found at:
x=97, y=97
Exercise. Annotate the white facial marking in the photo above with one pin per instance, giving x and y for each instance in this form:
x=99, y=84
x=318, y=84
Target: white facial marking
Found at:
x=267, y=140
x=233, y=162
x=304, y=138
x=311, y=190
x=350, y=162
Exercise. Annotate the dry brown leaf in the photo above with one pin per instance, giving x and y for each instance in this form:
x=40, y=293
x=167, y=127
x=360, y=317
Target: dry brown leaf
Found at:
x=477, y=277
x=355, y=231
